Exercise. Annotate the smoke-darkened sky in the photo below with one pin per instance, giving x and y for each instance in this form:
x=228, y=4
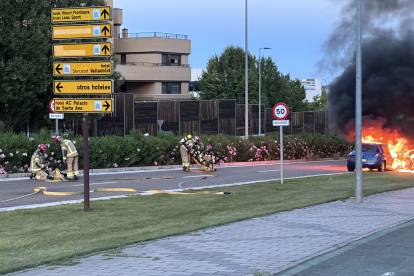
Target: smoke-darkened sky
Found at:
x=387, y=64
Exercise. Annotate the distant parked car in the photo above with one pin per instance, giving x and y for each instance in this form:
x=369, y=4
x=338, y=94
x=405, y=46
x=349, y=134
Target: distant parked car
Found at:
x=374, y=156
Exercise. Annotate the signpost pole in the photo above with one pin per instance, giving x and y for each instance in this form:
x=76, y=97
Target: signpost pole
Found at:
x=56, y=132
x=85, y=130
x=281, y=155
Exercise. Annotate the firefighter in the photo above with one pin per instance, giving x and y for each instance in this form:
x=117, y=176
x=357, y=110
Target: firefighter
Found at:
x=38, y=166
x=207, y=158
x=187, y=148
x=70, y=157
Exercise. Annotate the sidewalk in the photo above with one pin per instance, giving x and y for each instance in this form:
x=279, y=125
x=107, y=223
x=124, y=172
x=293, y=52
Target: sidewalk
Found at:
x=272, y=243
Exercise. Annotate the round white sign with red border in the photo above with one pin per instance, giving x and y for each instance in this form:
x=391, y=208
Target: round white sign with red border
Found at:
x=52, y=105
x=280, y=111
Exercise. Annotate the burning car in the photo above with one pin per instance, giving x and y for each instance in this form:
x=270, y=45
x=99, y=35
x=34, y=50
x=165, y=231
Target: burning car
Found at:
x=374, y=156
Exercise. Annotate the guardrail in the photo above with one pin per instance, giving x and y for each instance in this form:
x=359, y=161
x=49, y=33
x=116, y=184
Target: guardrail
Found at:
x=154, y=34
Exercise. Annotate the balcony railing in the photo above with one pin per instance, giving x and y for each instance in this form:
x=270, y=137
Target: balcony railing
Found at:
x=154, y=34
x=152, y=64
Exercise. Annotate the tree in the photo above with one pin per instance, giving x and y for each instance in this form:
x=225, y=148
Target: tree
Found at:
x=320, y=102
x=26, y=60
x=224, y=78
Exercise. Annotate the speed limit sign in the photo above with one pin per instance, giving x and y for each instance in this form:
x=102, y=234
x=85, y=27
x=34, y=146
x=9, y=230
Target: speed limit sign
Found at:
x=52, y=105
x=280, y=111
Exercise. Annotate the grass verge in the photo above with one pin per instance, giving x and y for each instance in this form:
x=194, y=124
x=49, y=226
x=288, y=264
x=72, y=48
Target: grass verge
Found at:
x=49, y=235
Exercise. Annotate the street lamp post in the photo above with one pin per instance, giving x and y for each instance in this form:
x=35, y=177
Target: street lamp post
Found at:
x=260, y=91
x=246, y=92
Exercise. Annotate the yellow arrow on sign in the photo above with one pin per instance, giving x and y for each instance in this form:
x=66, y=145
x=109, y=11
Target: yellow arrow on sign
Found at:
x=82, y=50
x=77, y=105
x=86, y=68
x=81, y=14
x=83, y=86
x=81, y=31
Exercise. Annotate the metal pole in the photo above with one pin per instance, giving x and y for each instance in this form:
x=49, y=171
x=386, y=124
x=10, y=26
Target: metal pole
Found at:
x=358, y=109
x=260, y=94
x=85, y=130
x=57, y=123
x=281, y=155
x=246, y=94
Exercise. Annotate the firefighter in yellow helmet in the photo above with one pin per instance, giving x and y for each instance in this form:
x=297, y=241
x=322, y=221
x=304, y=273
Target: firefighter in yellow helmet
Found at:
x=38, y=166
x=187, y=147
x=70, y=157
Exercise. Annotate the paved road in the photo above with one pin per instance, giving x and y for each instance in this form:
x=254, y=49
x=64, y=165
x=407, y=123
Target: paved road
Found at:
x=138, y=180
x=274, y=244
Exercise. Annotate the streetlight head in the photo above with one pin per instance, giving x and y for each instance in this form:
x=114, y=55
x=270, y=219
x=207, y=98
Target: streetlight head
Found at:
x=267, y=48
x=82, y=4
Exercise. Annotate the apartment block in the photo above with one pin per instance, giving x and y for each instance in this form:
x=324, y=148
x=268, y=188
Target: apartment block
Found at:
x=155, y=65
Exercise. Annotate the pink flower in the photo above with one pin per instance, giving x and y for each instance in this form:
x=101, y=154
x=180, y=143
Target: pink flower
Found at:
x=31, y=139
x=89, y=139
x=53, y=136
x=74, y=142
x=155, y=163
x=115, y=165
x=138, y=149
x=50, y=169
x=29, y=169
x=52, y=153
x=161, y=156
x=1, y=150
x=158, y=148
x=208, y=139
x=51, y=158
x=2, y=156
x=100, y=151
x=7, y=162
x=48, y=145
x=45, y=155
x=11, y=154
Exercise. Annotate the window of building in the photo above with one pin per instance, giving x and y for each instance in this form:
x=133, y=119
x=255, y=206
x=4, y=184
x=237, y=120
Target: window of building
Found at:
x=123, y=59
x=171, y=60
x=171, y=88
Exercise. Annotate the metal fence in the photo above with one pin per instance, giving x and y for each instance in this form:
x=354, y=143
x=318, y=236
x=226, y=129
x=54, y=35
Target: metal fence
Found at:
x=153, y=34
x=206, y=117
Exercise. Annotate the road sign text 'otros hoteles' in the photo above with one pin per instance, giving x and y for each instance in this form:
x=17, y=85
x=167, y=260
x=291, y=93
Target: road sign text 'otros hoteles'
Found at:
x=83, y=86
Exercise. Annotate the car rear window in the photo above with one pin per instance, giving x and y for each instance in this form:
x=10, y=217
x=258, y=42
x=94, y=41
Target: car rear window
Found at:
x=370, y=148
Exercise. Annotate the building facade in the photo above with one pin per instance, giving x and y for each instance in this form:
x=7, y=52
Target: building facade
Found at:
x=313, y=87
x=155, y=65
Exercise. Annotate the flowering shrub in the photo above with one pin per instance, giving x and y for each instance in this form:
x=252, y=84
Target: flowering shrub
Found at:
x=138, y=150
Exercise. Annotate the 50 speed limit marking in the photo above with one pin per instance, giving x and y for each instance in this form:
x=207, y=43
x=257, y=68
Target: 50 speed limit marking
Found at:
x=280, y=111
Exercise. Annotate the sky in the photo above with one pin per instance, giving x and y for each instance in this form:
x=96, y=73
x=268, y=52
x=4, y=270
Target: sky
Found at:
x=294, y=29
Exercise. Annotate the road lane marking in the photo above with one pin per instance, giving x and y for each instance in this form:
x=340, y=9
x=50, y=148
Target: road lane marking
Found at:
x=270, y=171
x=95, y=183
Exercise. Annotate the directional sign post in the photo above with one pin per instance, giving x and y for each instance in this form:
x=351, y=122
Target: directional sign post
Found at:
x=81, y=31
x=78, y=105
x=280, y=112
x=82, y=50
x=86, y=68
x=83, y=86
x=81, y=14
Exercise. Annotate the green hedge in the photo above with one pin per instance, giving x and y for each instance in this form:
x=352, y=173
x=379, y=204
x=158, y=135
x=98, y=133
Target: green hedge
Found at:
x=138, y=150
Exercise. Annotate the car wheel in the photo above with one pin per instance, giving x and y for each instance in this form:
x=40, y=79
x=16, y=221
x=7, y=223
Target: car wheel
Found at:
x=350, y=168
x=382, y=167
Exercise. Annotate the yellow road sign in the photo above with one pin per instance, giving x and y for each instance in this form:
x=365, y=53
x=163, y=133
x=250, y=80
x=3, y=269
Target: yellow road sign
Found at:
x=83, y=86
x=83, y=14
x=78, y=105
x=81, y=31
x=82, y=50
x=85, y=68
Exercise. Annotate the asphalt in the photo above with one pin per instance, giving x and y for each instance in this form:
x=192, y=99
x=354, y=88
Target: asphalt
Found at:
x=308, y=241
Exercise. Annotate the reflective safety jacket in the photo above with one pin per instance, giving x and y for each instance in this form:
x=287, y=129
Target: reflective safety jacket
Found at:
x=185, y=139
x=68, y=149
x=189, y=145
x=36, y=163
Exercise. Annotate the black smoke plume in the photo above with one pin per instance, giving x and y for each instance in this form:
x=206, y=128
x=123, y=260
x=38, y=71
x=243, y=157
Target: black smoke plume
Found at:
x=387, y=66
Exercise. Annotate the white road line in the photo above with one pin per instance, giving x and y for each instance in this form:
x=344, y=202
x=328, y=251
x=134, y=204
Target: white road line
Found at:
x=270, y=171
x=174, y=190
x=95, y=183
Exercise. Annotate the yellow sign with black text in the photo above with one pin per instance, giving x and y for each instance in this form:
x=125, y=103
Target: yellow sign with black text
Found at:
x=83, y=86
x=78, y=105
x=81, y=31
x=85, y=68
x=83, y=14
x=82, y=50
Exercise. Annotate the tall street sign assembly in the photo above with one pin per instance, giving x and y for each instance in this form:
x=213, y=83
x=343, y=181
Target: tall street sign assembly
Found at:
x=95, y=27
